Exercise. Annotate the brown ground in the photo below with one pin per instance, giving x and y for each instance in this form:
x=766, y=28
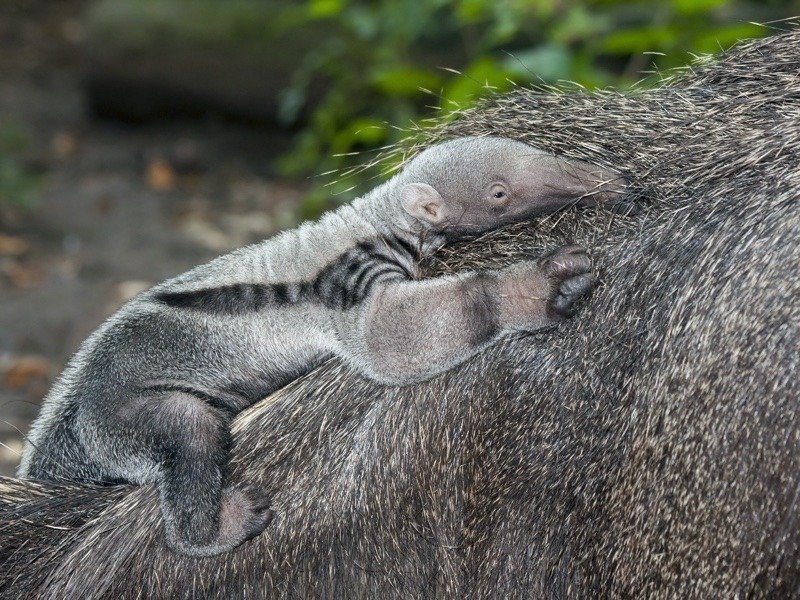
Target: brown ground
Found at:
x=117, y=206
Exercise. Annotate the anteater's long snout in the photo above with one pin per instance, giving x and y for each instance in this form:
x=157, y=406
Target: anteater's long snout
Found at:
x=593, y=185
x=559, y=182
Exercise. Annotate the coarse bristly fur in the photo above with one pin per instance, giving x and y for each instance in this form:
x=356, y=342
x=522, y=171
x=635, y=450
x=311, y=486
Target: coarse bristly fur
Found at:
x=648, y=448
x=149, y=397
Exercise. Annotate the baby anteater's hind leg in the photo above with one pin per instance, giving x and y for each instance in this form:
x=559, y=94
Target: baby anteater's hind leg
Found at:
x=189, y=442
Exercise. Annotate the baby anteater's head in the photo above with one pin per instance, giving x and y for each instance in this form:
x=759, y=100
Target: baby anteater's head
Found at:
x=473, y=184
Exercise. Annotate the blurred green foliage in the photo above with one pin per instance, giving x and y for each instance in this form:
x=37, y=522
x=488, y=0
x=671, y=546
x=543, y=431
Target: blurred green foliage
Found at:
x=383, y=59
x=17, y=183
x=365, y=71
x=250, y=25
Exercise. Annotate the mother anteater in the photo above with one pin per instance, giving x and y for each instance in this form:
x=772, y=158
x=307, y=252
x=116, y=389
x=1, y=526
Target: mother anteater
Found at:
x=650, y=447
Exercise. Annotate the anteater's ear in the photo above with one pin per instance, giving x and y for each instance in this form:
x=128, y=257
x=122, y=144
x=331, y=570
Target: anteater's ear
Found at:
x=423, y=202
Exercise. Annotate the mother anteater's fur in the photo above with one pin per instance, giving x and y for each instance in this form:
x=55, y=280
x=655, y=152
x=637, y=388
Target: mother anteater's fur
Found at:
x=649, y=448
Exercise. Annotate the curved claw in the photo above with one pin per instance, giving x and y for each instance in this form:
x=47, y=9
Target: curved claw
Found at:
x=570, y=292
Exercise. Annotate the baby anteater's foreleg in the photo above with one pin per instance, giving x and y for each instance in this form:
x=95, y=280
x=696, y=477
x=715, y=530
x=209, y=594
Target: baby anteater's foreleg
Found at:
x=411, y=330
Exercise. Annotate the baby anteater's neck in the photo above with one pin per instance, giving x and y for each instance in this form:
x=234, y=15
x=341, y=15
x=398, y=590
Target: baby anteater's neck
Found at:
x=383, y=216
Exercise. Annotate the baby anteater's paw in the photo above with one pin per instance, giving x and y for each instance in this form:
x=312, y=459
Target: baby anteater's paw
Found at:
x=243, y=514
x=570, y=270
x=535, y=294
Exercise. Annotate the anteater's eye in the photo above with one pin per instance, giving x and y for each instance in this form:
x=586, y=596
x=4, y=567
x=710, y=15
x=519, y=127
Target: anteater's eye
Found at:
x=498, y=193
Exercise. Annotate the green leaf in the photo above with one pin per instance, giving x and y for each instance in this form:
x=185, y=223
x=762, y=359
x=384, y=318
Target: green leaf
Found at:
x=320, y=9
x=405, y=81
x=361, y=131
x=640, y=39
x=472, y=11
x=725, y=37
x=363, y=22
x=548, y=62
x=695, y=7
x=578, y=24
x=485, y=75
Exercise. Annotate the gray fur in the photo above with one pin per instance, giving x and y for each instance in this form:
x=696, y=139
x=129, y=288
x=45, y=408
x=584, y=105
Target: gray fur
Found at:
x=149, y=396
x=649, y=449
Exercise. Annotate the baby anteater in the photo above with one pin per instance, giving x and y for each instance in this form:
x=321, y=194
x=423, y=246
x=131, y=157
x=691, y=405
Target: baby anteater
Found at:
x=150, y=395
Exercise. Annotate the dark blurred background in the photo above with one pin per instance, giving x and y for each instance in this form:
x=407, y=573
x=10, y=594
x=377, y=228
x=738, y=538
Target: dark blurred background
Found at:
x=141, y=137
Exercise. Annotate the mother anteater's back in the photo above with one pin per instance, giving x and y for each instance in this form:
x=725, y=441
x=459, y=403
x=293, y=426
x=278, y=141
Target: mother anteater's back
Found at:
x=649, y=448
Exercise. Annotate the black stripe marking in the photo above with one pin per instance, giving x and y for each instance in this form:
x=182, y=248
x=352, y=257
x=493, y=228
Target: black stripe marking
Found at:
x=230, y=299
x=364, y=289
x=483, y=309
x=357, y=283
x=395, y=254
x=348, y=280
x=281, y=291
x=342, y=284
x=405, y=247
